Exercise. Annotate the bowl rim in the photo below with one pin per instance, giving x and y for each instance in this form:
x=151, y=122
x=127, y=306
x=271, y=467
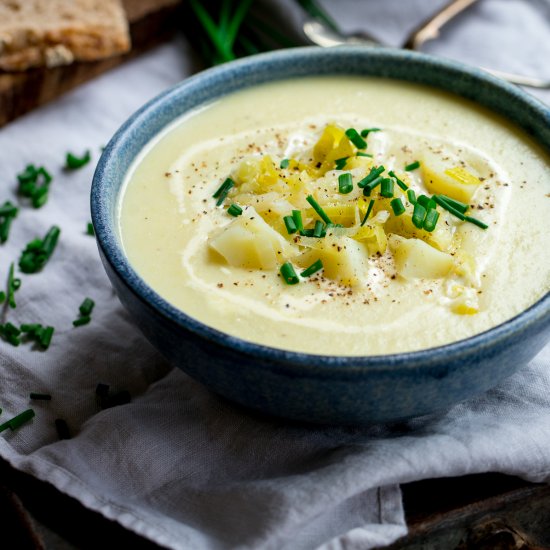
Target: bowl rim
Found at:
x=302, y=362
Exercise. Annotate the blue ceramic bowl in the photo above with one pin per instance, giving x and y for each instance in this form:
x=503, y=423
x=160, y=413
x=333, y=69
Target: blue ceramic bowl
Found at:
x=299, y=386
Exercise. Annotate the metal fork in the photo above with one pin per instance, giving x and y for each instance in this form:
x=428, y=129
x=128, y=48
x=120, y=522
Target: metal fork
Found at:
x=322, y=35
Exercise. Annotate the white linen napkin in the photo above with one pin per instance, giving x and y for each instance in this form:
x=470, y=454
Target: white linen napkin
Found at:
x=178, y=465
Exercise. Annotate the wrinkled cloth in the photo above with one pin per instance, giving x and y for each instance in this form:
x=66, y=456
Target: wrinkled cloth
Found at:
x=179, y=465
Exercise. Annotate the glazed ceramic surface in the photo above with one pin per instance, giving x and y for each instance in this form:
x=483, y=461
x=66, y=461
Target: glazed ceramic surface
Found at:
x=314, y=388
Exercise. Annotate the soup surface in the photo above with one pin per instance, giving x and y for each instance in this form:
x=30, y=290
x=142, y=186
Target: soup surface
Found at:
x=381, y=279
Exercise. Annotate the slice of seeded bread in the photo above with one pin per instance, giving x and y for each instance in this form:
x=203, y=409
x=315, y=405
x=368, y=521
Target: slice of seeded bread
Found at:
x=36, y=33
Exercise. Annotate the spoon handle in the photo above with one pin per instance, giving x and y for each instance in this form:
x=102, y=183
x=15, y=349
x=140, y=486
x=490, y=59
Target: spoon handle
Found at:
x=430, y=28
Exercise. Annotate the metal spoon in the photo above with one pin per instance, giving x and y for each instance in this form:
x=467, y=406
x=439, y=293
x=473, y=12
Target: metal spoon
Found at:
x=320, y=34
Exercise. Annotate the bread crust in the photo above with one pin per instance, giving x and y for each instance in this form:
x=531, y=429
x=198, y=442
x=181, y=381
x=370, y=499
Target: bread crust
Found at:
x=36, y=33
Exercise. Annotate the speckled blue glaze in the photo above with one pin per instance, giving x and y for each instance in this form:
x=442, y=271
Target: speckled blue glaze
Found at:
x=313, y=388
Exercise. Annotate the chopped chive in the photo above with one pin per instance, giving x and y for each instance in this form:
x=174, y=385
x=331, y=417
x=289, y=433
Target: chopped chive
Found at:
x=40, y=396
x=386, y=189
x=234, y=210
x=313, y=268
x=297, y=217
x=372, y=185
x=361, y=154
x=62, y=429
x=34, y=184
x=426, y=202
x=290, y=224
x=9, y=210
x=345, y=183
x=31, y=329
x=2, y=296
x=13, y=285
x=306, y=232
x=17, y=421
x=284, y=163
x=318, y=229
x=90, y=229
x=288, y=274
x=372, y=175
x=431, y=220
x=369, y=209
x=475, y=221
x=84, y=320
x=419, y=215
x=38, y=252
x=412, y=166
x=72, y=162
x=341, y=163
x=397, y=207
x=222, y=191
x=444, y=204
x=460, y=206
x=355, y=138
x=411, y=195
x=46, y=337
x=401, y=183
x=315, y=205
x=367, y=131
x=86, y=306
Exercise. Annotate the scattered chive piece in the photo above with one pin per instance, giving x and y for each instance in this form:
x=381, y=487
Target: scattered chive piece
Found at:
x=431, y=220
x=84, y=320
x=356, y=139
x=475, y=221
x=412, y=166
x=10, y=333
x=369, y=209
x=86, y=306
x=34, y=183
x=223, y=190
x=411, y=195
x=307, y=232
x=318, y=229
x=284, y=163
x=2, y=296
x=460, y=206
x=8, y=212
x=62, y=429
x=401, y=183
x=367, y=131
x=40, y=396
x=46, y=337
x=340, y=163
x=315, y=205
x=297, y=217
x=17, y=421
x=345, y=183
x=313, y=268
x=31, y=329
x=444, y=204
x=289, y=275
x=72, y=162
x=386, y=189
x=235, y=210
x=361, y=154
x=90, y=229
x=290, y=224
x=13, y=285
x=419, y=215
x=38, y=251
x=397, y=207
x=372, y=175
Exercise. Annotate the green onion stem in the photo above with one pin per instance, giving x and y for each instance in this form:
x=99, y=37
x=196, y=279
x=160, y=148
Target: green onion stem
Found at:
x=345, y=183
x=412, y=166
x=290, y=224
x=288, y=274
x=369, y=209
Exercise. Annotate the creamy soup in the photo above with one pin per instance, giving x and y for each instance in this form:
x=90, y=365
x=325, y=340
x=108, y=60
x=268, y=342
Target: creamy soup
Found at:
x=347, y=216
